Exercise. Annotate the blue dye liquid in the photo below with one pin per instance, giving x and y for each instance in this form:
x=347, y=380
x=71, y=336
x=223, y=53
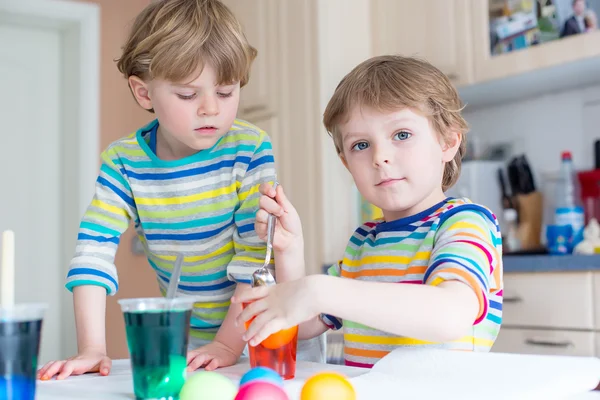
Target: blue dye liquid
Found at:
x=17, y=387
x=19, y=349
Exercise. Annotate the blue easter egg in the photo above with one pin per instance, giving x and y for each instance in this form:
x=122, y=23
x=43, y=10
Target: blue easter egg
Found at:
x=262, y=374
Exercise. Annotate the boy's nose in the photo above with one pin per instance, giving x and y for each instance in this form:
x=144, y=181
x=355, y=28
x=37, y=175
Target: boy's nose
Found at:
x=208, y=106
x=380, y=158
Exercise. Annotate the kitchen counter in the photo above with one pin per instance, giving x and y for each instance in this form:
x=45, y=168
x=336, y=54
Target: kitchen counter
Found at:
x=403, y=374
x=551, y=263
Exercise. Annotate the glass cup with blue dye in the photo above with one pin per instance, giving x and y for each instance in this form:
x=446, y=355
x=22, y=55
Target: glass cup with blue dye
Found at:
x=20, y=333
x=157, y=336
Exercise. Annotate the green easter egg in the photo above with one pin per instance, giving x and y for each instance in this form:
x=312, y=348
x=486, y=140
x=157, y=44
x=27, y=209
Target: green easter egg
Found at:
x=208, y=385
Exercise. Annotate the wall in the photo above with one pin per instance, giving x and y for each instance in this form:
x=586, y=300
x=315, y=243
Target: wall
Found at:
x=338, y=23
x=544, y=126
x=120, y=115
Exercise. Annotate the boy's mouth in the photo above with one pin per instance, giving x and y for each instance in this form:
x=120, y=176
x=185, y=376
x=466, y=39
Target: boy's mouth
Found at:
x=388, y=181
x=206, y=129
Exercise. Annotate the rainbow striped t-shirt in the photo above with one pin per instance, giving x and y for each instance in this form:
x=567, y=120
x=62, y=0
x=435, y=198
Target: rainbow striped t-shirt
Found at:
x=453, y=240
x=202, y=206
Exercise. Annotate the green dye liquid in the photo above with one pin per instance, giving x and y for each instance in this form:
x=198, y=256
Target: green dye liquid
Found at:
x=157, y=343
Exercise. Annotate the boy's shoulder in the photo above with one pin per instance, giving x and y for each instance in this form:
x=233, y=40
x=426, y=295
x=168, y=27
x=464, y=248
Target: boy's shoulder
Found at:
x=130, y=143
x=429, y=220
x=244, y=131
x=461, y=206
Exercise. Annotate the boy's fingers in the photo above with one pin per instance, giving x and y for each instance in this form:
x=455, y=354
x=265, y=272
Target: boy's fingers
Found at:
x=270, y=206
x=197, y=362
x=267, y=190
x=66, y=371
x=257, y=326
x=53, y=370
x=283, y=200
x=250, y=294
x=105, y=366
x=262, y=216
x=251, y=311
x=269, y=328
x=43, y=370
x=214, y=364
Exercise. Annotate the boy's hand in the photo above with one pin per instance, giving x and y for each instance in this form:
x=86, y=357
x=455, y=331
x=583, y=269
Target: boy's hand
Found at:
x=212, y=356
x=90, y=361
x=288, y=230
x=277, y=307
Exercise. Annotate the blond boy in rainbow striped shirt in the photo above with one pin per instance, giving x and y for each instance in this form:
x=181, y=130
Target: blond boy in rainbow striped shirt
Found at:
x=429, y=273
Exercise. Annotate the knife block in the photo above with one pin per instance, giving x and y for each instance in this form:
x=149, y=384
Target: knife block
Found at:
x=530, y=209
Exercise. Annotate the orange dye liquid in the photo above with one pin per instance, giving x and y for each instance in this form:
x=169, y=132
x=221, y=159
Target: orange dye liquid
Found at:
x=277, y=352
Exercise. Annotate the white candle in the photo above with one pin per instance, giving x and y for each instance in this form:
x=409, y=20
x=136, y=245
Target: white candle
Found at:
x=7, y=274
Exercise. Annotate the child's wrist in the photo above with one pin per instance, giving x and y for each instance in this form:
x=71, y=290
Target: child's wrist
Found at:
x=92, y=350
x=296, y=246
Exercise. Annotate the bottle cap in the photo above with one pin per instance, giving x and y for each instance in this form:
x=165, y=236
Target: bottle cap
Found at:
x=510, y=214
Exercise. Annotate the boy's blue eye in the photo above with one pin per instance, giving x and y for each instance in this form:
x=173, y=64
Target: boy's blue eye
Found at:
x=224, y=95
x=186, y=97
x=402, y=135
x=360, y=146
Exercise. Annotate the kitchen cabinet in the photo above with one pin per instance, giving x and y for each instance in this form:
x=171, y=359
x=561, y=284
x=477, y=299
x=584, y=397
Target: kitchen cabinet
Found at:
x=549, y=54
x=438, y=31
x=551, y=313
x=259, y=19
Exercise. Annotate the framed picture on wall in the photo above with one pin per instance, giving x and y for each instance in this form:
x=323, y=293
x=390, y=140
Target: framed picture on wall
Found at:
x=519, y=24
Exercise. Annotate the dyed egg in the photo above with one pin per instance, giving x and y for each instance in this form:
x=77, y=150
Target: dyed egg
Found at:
x=277, y=339
x=261, y=374
x=261, y=390
x=281, y=338
x=326, y=386
x=208, y=385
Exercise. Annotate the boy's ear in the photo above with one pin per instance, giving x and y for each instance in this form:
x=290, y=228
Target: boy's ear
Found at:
x=450, y=145
x=139, y=88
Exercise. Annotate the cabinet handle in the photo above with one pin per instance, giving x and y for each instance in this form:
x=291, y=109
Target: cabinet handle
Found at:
x=549, y=343
x=514, y=299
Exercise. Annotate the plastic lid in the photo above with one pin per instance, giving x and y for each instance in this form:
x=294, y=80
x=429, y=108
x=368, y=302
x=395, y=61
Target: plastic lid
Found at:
x=510, y=214
x=23, y=312
x=157, y=304
x=566, y=155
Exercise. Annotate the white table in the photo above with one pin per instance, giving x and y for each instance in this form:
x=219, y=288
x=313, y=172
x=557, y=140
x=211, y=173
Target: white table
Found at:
x=404, y=374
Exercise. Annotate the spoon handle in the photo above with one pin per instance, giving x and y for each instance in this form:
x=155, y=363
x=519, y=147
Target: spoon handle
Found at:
x=174, y=281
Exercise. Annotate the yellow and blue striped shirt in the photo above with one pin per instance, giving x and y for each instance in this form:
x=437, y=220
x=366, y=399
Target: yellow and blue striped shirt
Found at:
x=202, y=206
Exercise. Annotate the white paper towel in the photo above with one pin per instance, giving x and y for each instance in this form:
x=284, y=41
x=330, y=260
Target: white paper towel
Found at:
x=441, y=374
x=412, y=374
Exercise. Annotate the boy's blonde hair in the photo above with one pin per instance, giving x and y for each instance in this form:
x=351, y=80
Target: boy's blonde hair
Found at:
x=388, y=83
x=174, y=39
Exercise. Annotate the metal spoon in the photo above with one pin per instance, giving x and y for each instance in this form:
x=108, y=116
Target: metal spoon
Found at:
x=175, y=275
x=262, y=276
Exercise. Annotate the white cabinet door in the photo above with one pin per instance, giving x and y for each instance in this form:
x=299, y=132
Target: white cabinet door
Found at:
x=438, y=31
x=549, y=342
x=30, y=159
x=562, y=300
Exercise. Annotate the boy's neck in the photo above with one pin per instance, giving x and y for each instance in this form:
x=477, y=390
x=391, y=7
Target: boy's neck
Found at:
x=169, y=149
x=434, y=198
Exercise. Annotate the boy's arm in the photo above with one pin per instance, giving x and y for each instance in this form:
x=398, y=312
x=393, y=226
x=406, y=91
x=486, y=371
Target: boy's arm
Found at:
x=465, y=266
x=229, y=334
x=106, y=218
x=89, y=303
x=249, y=249
x=92, y=274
